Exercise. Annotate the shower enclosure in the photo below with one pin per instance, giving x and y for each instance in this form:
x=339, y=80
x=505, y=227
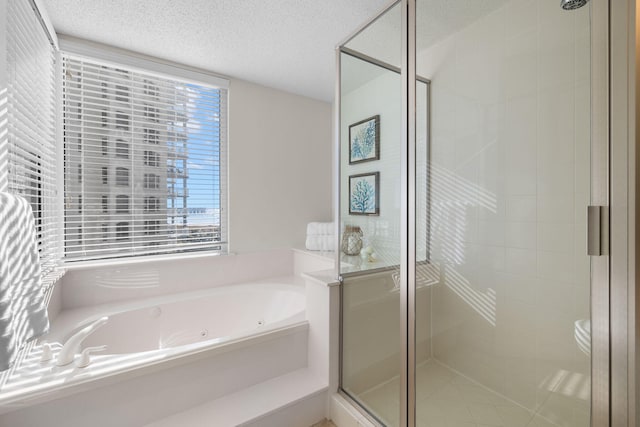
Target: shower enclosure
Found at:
x=470, y=150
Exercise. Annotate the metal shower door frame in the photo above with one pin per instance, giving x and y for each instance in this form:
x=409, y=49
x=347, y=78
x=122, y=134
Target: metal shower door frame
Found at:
x=599, y=172
x=622, y=96
x=614, y=180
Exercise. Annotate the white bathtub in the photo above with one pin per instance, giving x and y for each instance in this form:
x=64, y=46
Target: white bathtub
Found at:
x=157, y=362
x=251, y=322
x=206, y=318
x=190, y=320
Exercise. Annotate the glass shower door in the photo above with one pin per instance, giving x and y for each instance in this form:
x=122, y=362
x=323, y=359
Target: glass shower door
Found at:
x=481, y=313
x=370, y=213
x=509, y=181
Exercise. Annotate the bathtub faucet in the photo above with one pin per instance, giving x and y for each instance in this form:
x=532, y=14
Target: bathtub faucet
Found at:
x=72, y=346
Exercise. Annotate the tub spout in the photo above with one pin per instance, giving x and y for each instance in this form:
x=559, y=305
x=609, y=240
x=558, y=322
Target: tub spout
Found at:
x=72, y=346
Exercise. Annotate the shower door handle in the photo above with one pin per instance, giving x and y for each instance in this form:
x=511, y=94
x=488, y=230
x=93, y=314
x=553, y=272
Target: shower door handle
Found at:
x=597, y=230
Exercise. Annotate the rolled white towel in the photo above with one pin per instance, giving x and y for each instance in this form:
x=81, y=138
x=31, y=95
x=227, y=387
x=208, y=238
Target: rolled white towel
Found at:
x=320, y=243
x=320, y=229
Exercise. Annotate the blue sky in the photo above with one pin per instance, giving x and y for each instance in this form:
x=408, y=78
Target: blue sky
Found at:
x=203, y=137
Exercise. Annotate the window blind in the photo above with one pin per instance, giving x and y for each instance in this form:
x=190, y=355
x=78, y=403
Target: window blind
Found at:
x=145, y=162
x=31, y=117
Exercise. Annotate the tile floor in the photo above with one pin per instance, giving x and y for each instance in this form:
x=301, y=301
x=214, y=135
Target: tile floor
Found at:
x=446, y=399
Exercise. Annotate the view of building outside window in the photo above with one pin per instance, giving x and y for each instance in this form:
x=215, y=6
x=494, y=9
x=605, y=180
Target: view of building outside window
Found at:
x=142, y=157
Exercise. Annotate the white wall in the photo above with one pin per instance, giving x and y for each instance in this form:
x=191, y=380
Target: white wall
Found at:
x=279, y=166
x=510, y=150
x=123, y=281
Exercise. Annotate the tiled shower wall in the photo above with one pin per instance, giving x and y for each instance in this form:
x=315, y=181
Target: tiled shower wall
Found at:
x=510, y=180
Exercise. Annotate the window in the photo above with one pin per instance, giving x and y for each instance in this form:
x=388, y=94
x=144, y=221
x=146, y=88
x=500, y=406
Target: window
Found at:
x=122, y=204
x=172, y=133
x=151, y=158
x=122, y=176
x=122, y=93
x=122, y=121
x=151, y=113
x=29, y=103
x=151, y=136
x=122, y=149
x=122, y=231
x=151, y=204
x=150, y=89
x=151, y=181
x=105, y=204
x=151, y=227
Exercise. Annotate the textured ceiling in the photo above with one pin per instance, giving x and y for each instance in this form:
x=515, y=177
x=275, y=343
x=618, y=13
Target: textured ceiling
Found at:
x=285, y=44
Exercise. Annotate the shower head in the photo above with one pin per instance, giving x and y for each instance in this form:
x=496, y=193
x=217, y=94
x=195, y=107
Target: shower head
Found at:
x=572, y=4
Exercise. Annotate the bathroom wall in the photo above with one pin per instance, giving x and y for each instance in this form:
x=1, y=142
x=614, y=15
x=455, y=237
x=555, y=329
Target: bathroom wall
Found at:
x=124, y=281
x=510, y=177
x=280, y=163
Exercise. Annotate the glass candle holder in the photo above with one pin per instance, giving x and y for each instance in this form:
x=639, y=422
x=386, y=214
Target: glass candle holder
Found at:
x=351, y=240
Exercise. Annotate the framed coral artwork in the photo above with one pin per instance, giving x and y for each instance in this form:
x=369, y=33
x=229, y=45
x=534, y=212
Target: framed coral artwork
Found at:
x=364, y=194
x=364, y=140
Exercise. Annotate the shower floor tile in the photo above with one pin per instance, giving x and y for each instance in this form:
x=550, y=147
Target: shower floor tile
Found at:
x=447, y=399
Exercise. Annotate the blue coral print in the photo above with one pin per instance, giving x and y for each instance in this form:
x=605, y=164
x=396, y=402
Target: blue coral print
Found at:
x=363, y=195
x=363, y=141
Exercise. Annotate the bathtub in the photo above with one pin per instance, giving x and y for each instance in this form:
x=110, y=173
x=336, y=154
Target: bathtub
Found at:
x=211, y=333
x=188, y=321
x=183, y=333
